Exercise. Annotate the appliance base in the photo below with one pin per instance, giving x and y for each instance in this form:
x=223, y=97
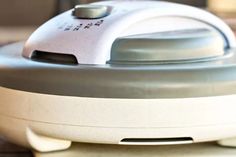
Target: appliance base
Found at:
x=49, y=123
x=231, y=142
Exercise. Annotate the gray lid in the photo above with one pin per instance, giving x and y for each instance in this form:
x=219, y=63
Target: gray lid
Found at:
x=180, y=45
x=160, y=81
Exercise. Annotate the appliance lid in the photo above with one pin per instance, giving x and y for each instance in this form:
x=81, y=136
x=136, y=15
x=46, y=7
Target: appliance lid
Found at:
x=202, y=79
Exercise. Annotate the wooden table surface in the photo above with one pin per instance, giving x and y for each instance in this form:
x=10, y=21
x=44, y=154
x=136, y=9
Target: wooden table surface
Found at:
x=11, y=150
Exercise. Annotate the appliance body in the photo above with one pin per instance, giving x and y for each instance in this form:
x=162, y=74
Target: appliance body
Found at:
x=94, y=94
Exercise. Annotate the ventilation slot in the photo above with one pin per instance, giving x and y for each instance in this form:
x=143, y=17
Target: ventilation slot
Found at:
x=55, y=58
x=156, y=141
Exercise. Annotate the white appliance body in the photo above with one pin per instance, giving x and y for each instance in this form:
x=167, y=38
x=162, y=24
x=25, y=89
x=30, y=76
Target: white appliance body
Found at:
x=109, y=121
x=48, y=122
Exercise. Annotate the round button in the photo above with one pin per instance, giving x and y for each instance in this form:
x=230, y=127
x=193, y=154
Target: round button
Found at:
x=170, y=46
x=90, y=11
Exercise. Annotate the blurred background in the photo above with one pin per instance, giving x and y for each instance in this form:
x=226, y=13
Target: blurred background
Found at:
x=35, y=12
x=18, y=18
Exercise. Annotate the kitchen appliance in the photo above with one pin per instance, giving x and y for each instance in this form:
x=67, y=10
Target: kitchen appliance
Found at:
x=121, y=72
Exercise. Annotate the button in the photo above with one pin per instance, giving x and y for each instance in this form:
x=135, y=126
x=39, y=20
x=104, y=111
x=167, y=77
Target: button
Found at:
x=90, y=11
x=170, y=46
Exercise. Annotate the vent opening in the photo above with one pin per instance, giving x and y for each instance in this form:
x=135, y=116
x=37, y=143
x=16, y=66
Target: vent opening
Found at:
x=156, y=141
x=55, y=58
